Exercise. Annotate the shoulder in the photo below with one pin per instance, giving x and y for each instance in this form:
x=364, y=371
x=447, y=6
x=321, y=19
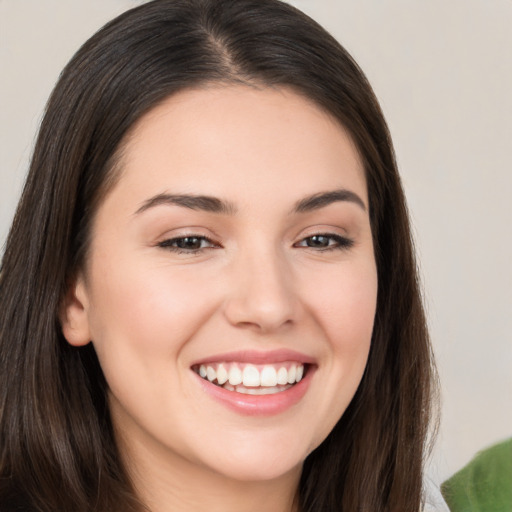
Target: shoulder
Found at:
x=485, y=483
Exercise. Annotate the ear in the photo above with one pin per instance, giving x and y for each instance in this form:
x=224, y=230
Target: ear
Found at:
x=74, y=316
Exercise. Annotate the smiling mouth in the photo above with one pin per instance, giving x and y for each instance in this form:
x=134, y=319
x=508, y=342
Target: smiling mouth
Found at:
x=252, y=379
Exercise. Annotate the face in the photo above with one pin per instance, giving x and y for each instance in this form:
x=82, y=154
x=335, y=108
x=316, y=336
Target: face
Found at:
x=231, y=284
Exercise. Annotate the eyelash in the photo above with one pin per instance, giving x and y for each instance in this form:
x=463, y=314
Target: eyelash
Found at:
x=172, y=244
x=334, y=242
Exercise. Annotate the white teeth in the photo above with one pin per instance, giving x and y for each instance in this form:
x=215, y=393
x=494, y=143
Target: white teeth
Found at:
x=211, y=374
x=235, y=375
x=282, y=376
x=222, y=374
x=268, y=376
x=230, y=375
x=260, y=391
x=292, y=372
x=251, y=376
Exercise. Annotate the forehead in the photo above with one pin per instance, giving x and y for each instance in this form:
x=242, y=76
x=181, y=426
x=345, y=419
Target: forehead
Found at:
x=221, y=137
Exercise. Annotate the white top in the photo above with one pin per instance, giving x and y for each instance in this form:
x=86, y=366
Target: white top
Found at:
x=434, y=501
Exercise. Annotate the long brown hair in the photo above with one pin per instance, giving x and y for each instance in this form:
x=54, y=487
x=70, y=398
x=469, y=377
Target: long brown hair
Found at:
x=57, y=444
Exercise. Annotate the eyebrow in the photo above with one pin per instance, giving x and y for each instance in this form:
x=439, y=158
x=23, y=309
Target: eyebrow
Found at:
x=193, y=202
x=216, y=205
x=323, y=199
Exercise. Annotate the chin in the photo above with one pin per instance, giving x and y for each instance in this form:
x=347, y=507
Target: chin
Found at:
x=259, y=459
x=260, y=470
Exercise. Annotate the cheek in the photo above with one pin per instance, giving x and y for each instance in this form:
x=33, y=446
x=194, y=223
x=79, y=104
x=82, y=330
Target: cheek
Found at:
x=344, y=303
x=152, y=311
x=142, y=318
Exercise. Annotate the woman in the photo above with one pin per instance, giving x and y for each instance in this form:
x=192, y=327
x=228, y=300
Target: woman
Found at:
x=208, y=295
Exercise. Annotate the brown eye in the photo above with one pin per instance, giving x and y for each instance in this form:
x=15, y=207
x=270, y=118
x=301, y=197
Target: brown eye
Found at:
x=187, y=244
x=325, y=242
x=318, y=241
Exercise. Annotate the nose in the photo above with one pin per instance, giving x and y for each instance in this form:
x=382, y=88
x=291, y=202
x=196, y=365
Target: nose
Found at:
x=262, y=296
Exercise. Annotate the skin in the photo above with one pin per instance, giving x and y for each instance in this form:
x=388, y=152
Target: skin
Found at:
x=259, y=285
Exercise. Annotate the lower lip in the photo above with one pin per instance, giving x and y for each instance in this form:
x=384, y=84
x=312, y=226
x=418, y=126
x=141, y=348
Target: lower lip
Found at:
x=258, y=405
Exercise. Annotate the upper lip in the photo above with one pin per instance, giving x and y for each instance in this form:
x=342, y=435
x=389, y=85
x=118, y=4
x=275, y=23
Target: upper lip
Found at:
x=257, y=357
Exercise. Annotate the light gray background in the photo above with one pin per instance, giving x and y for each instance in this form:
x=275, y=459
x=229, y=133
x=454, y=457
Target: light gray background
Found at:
x=442, y=70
